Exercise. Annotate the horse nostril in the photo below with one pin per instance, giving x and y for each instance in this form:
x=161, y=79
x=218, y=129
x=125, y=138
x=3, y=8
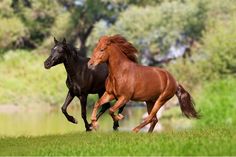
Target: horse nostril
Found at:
x=46, y=65
x=90, y=65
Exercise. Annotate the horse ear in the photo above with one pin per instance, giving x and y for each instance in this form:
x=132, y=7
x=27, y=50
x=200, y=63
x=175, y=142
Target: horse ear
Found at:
x=55, y=40
x=64, y=41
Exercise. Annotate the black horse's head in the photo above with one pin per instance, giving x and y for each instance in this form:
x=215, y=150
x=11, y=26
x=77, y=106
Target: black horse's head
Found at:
x=57, y=55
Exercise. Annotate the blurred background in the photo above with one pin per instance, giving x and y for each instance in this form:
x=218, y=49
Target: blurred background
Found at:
x=194, y=40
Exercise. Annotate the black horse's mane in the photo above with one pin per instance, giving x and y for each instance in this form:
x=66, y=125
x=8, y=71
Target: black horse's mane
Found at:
x=73, y=50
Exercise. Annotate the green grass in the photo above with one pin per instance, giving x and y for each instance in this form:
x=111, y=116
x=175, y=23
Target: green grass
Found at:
x=217, y=103
x=218, y=141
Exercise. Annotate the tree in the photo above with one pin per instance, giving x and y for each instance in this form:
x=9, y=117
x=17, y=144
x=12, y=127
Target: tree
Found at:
x=12, y=29
x=154, y=29
x=34, y=19
x=84, y=15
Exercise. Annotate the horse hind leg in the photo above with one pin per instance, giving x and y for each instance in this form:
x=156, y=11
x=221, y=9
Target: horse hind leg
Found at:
x=153, y=124
x=83, y=102
x=154, y=120
x=160, y=101
x=104, y=108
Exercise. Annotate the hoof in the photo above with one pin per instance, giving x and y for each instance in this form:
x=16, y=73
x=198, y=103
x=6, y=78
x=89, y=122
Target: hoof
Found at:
x=88, y=129
x=94, y=125
x=115, y=129
x=135, y=130
x=116, y=126
x=120, y=117
x=72, y=120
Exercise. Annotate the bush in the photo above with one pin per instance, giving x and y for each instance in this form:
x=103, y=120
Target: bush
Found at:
x=60, y=29
x=39, y=18
x=27, y=26
x=217, y=103
x=158, y=27
x=11, y=32
x=216, y=57
x=26, y=82
x=220, y=48
x=6, y=9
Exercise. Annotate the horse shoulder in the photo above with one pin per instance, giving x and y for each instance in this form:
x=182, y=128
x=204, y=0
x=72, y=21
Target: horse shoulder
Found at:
x=108, y=84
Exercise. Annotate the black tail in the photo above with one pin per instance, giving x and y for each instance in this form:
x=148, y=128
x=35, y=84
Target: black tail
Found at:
x=186, y=103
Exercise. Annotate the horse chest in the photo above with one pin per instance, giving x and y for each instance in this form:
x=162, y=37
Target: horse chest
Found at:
x=112, y=86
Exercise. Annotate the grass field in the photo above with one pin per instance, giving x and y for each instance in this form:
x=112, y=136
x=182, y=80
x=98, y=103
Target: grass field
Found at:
x=214, y=141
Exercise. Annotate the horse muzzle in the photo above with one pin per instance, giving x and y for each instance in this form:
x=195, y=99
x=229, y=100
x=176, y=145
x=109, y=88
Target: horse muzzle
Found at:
x=91, y=66
x=48, y=64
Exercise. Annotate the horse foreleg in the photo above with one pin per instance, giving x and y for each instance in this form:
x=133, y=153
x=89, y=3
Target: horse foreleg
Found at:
x=116, y=123
x=104, y=99
x=119, y=103
x=103, y=109
x=107, y=106
x=68, y=100
x=83, y=102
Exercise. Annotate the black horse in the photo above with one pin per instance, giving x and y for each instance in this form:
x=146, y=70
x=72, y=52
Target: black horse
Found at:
x=81, y=81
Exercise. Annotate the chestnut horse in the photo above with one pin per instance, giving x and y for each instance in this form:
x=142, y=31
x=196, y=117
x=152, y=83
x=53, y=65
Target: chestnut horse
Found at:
x=127, y=80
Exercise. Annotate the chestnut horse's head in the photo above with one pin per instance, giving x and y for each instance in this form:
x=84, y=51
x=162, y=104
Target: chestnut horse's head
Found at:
x=100, y=52
x=57, y=54
x=104, y=47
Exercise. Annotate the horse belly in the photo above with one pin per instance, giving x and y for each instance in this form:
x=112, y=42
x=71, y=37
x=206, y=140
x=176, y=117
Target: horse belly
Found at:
x=149, y=86
x=146, y=94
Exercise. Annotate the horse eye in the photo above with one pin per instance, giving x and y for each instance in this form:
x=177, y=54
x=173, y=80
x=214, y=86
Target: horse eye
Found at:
x=102, y=50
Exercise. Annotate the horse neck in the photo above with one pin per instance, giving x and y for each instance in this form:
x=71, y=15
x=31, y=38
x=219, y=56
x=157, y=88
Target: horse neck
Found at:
x=74, y=65
x=118, y=63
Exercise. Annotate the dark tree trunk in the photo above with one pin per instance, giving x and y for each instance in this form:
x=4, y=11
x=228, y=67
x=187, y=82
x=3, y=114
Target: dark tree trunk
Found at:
x=83, y=48
x=83, y=36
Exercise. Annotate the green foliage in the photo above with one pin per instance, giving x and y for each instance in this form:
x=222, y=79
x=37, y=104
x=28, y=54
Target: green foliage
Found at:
x=26, y=24
x=217, y=103
x=219, y=48
x=5, y=8
x=61, y=28
x=220, y=10
x=39, y=18
x=215, y=58
x=188, y=73
x=201, y=142
x=24, y=80
x=158, y=27
x=12, y=30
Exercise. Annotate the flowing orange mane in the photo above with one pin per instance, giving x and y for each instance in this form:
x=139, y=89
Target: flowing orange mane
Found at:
x=126, y=47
